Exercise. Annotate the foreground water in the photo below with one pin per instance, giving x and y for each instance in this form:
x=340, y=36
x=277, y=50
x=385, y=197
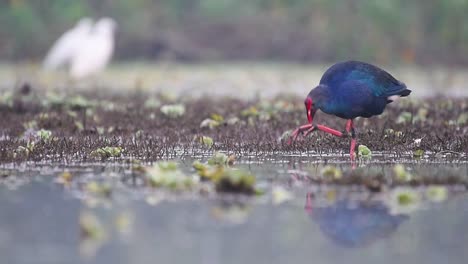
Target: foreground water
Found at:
x=298, y=222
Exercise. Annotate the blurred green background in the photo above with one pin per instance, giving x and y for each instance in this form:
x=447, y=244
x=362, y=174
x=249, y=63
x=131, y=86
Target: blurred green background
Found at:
x=386, y=31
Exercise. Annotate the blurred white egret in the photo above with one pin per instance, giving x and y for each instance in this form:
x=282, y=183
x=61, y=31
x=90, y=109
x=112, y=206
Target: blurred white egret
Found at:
x=65, y=47
x=96, y=51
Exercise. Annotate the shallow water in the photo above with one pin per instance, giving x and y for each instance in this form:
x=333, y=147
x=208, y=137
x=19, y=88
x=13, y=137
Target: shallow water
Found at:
x=40, y=220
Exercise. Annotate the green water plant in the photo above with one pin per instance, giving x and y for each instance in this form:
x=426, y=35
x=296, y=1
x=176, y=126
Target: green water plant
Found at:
x=105, y=153
x=364, y=152
x=173, y=110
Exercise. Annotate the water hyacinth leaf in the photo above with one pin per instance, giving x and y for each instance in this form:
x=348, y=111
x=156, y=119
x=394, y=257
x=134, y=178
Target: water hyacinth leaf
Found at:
x=462, y=119
x=90, y=226
x=436, y=193
x=65, y=178
x=79, y=102
x=419, y=153
x=107, y=152
x=250, y=112
x=404, y=117
x=401, y=175
x=167, y=175
x=96, y=188
x=236, y=181
x=152, y=103
x=364, y=151
x=209, y=123
x=44, y=135
x=280, y=195
x=221, y=159
x=206, y=141
x=331, y=173
x=167, y=165
x=232, y=121
x=403, y=201
x=218, y=118
x=173, y=111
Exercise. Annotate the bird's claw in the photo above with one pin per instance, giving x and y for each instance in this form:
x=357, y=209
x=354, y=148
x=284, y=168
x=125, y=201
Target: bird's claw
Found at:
x=308, y=128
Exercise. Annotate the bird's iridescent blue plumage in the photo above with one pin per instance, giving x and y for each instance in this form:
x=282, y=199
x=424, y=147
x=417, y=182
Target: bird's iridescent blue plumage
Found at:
x=351, y=89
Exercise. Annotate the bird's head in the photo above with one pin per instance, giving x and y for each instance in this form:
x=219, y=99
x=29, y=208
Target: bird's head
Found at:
x=310, y=110
x=314, y=100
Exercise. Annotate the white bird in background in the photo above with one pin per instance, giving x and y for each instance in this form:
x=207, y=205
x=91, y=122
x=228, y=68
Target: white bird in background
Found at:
x=65, y=47
x=95, y=51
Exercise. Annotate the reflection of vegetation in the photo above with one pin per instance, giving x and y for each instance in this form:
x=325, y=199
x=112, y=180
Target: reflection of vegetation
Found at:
x=318, y=29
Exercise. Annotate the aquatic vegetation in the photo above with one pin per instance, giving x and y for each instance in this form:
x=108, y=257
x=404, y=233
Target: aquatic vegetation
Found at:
x=222, y=159
x=401, y=175
x=225, y=179
x=173, y=111
x=285, y=136
x=462, y=119
x=167, y=175
x=419, y=153
x=78, y=102
x=436, y=193
x=280, y=195
x=75, y=134
x=364, y=152
x=44, y=135
x=404, y=117
x=105, y=153
x=92, y=234
x=331, y=173
x=235, y=181
x=232, y=212
x=64, y=178
x=99, y=188
x=209, y=123
x=403, y=200
x=90, y=226
x=152, y=103
x=206, y=141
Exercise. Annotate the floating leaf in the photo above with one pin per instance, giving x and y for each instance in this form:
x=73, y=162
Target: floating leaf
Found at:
x=280, y=195
x=436, y=193
x=364, y=151
x=221, y=159
x=404, y=117
x=218, y=118
x=173, y=111
x=462, y=119
x=331, y=173
x=403, y=200
x=401, y=175
x=107, y=152
x=167, y=175
x=235, y=181
x=209, y=123
x=419, y=153
x=44, y=135
x=206, y=141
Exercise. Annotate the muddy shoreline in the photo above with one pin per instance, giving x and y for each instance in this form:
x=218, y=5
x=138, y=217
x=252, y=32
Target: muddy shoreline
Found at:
x=77, y=125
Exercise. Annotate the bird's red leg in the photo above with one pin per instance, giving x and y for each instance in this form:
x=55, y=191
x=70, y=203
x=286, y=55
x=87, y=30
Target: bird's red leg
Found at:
x=350, y=128
x=308, y=205
x=309, y=128
x=298, y=130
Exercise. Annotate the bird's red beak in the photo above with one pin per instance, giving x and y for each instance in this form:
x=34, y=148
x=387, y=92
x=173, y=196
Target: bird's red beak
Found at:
x=309, y=109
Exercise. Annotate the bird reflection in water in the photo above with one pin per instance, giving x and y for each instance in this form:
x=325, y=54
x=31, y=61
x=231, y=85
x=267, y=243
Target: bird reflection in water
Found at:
x=354, y=223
